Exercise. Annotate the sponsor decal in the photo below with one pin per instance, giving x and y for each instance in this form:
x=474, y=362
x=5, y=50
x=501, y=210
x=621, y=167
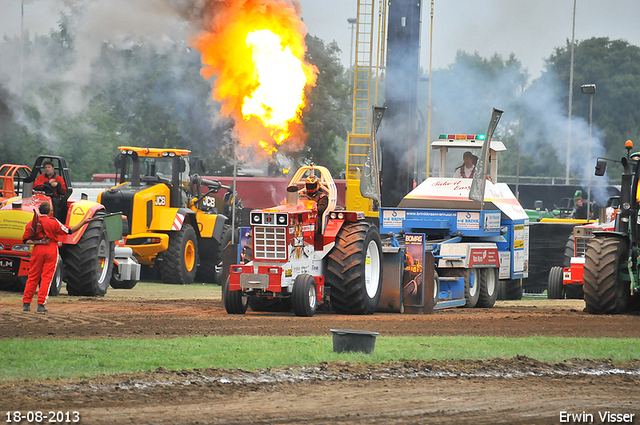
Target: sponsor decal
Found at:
x=288, y=273
x=468, y=220
x=393, y=218
x=492, y=222
x=484, y=256
x=161, y=200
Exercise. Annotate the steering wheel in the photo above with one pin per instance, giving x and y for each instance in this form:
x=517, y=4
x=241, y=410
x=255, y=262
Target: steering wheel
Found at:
x=46, y=188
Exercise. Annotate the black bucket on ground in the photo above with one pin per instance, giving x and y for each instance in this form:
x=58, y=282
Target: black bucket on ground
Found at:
x=360, y=341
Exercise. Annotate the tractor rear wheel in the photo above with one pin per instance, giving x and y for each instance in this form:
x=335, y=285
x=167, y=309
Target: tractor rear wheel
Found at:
x=210, y=267
x=88, y=265
x=555, y=288
x=604, y=291
x=178, y=263
x=235, y=302
x=304, y=295
x=569, y=251
x=354, y=269
x=488, y=288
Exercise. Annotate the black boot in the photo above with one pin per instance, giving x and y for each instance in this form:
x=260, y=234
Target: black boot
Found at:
x=42, y=308
x=26, y=307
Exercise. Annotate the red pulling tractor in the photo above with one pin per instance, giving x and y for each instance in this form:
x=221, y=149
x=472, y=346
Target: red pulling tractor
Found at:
x=300, y=258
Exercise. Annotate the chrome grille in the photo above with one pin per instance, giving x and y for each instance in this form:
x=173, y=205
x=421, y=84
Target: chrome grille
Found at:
x=270, y=243
x=581, y=246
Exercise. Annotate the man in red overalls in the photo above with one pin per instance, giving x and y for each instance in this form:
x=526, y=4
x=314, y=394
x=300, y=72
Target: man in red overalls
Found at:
x=50, y=178
x=44, y=256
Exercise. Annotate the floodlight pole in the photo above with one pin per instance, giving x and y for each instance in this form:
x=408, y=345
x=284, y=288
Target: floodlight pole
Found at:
x=589, y=89
x=573, y=37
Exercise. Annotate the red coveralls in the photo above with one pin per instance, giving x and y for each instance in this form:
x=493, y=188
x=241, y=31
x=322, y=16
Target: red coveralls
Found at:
x=44, y=259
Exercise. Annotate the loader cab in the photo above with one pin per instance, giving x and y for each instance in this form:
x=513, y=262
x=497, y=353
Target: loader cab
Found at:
x=144, y=167
x=453, y=146
x=60, y=167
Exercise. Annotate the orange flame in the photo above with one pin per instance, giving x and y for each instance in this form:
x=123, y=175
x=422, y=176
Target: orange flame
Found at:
x=255, y=49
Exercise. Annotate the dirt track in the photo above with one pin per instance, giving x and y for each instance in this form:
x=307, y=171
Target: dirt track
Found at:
x=517, y=390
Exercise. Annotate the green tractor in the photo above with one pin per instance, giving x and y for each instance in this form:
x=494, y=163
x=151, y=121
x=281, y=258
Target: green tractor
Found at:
x=612, y=264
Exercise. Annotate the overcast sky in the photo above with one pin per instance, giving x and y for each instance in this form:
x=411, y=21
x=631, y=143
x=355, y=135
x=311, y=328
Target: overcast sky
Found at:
x=528, y=29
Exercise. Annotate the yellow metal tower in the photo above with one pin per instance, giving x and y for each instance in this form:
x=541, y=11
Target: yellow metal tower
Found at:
x=365, y=94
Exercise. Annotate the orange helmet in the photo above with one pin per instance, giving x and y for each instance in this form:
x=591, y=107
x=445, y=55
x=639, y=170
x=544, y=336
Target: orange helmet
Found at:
x=311, y=184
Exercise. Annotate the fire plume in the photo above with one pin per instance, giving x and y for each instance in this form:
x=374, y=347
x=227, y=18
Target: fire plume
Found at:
x=255, y=50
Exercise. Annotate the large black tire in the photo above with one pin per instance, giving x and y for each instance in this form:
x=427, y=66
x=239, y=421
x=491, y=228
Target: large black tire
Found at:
x=488, y=288
x=178, y=264
x=555, y=288
x=513, y=289
x=436, y=288
x=235, y=302
x=471, y=294
x=270, y=304
x=56, y=283
x=210, y=267
x=604, y=291
x=354, y=269
x=569, y=251
x=304, y=295
x=88, y=265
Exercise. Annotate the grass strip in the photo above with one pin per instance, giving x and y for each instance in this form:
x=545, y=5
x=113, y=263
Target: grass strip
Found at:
x=48, y=358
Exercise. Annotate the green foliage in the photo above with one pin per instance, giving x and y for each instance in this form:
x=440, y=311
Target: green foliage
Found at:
x=55, y=358
x=614, y=67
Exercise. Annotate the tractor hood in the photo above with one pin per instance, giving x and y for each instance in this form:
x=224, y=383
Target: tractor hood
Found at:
x=15, y=216
x=453, y=193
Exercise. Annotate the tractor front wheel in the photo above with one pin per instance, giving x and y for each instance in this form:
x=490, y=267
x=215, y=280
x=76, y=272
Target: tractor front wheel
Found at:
x=235, y=302
x=471, y=292
x=178, y=263
x=555, y=288
x=305, y=295
x=605, y=292
x=488, y=288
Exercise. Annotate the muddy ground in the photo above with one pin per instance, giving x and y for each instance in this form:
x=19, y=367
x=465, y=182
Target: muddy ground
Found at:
x=514, y=391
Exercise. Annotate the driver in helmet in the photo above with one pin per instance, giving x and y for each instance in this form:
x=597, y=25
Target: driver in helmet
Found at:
x=314, y=191
x=50, y=178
